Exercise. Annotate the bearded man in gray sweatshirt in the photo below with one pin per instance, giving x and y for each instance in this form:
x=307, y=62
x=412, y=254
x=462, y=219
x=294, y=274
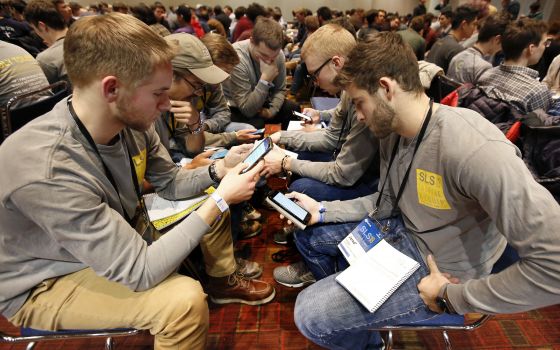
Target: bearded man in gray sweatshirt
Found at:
x=452, y=189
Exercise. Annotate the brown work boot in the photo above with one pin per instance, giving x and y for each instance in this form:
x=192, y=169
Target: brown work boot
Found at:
x=237, y=289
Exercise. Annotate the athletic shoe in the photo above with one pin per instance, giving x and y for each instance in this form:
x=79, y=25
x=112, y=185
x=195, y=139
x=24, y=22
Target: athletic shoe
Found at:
x=294, y=276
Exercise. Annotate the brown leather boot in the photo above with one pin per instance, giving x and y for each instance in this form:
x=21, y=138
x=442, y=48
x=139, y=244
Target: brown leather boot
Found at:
x=237, y=289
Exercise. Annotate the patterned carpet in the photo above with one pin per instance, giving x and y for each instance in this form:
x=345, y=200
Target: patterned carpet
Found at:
x=271, y=326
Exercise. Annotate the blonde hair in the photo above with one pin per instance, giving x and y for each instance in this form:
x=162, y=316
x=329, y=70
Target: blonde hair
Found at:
x=328, y=41
x=222, y=52
x=113, y=44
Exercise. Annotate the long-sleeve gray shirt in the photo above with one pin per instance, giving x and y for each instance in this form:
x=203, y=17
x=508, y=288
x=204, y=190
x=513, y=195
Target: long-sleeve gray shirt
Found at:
x=245, y=91
x=358, y=148
x=59, y=213
x=468, y=193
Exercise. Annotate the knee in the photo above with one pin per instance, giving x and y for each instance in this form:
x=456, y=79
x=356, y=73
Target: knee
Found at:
x=306, y=316
x=185, y=302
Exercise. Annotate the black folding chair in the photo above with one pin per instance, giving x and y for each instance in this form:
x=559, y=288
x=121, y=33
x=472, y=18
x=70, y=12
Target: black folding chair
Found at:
x=14, y=117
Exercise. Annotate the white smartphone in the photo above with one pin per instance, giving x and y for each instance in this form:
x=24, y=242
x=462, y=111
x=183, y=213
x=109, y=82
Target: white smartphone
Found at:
x=302, y=116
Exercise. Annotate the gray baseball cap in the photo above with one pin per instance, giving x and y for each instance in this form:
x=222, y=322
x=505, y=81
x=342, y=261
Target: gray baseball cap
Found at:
x=193, y=56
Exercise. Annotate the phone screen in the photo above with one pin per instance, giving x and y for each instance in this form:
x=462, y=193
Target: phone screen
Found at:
x=257, y=153
x=219, y=154
x=290, y=206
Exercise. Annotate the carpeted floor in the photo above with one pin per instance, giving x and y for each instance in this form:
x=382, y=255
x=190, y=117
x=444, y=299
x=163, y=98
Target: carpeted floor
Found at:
x=271, y=326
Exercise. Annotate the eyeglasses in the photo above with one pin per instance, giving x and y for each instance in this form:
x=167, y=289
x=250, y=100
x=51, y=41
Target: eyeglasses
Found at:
x=198, y=89
x=315, y=74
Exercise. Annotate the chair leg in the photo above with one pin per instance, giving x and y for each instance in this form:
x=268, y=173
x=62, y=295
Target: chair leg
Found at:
x=109, y=343
x=388, y=340
x=30, y=346
x=446, y=340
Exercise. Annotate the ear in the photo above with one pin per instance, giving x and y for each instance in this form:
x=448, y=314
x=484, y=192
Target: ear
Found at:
x=110, y=86
x=338, y=62
x=42, y=26
x=387, y=88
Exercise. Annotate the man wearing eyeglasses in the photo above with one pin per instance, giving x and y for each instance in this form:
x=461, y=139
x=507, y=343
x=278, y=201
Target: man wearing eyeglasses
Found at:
x=256, y=91
x=331, y=162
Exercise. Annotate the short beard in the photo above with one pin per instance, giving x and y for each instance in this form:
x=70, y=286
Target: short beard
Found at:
x=382, y=121
x=128, y=115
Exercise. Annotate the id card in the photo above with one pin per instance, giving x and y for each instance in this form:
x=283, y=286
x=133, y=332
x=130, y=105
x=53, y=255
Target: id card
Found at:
x=364, y=237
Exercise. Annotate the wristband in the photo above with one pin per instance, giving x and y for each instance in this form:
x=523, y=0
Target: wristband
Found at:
x=283, y=164
x=322, y=211
x=268, y=84
x=220, y=202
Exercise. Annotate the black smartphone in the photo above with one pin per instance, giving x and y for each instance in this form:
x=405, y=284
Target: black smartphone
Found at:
x=290, y=209
x=263, y=147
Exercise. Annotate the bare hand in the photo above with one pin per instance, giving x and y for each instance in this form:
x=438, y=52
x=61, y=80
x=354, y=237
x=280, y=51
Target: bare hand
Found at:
x=201, y=159
x=268, y=71
x=236, y=154
x=307, y=203
x=276, y=137
x=184, y=112
x=244, y=136
x=273, y=162
x=430, y=286
x=235, y=187
x=314, y=114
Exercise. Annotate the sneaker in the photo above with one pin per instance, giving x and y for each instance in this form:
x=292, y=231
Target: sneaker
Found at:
x=284, y=234
x=235, y=288
x=249, y=269
x=249, y=213
x=250, y=229
x=294, y=276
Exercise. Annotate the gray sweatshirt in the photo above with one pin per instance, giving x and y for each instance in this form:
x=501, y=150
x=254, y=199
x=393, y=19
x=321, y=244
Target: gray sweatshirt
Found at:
x=358, y=148
x=59, y=212
x=243, y=89
x=469, y=192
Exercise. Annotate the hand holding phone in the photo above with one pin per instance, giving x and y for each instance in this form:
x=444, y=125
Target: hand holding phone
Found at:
x=219, y=154
x=305, y=117
x=291, y=210
x=261, y=149
x=257, y=132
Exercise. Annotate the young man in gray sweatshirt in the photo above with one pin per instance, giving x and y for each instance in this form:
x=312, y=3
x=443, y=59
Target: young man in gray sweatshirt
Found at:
x=70, y=257
x=256, y=90
x=452, y=189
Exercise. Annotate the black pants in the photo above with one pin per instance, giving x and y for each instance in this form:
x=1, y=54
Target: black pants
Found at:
x=283, y=116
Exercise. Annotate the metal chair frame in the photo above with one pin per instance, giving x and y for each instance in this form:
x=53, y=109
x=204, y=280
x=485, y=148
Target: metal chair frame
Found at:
x=444, y=328
x=65, y=335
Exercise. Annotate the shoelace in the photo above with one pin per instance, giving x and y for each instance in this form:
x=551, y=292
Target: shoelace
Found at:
x=237, y=278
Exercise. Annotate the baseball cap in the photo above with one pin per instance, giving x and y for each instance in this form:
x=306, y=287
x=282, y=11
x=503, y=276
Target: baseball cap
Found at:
x=193, y=56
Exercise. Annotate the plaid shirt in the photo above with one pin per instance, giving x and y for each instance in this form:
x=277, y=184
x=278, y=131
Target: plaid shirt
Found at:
x=555, y=108
x=518, y=86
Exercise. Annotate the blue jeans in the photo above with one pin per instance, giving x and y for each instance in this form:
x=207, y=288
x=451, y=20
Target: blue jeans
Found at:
x=321, y=191
x=329, y=316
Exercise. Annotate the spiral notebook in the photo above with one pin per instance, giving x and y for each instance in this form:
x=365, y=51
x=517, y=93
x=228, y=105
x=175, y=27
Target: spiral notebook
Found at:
x=374, y=276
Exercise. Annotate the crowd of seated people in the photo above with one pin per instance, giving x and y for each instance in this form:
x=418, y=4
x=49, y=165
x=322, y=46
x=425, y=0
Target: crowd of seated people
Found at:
x=153, y=91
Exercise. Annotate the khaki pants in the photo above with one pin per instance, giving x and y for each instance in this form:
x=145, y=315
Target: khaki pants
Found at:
x=175, y=310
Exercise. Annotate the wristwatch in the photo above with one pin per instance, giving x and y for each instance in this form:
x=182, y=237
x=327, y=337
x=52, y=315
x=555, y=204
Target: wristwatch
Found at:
x=444, y=303
x=212, y=172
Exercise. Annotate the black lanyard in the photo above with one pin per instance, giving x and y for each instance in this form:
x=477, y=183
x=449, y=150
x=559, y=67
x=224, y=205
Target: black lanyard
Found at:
x=393, y=155
x=170, y=123
x=338, y=145
x=108, y=173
